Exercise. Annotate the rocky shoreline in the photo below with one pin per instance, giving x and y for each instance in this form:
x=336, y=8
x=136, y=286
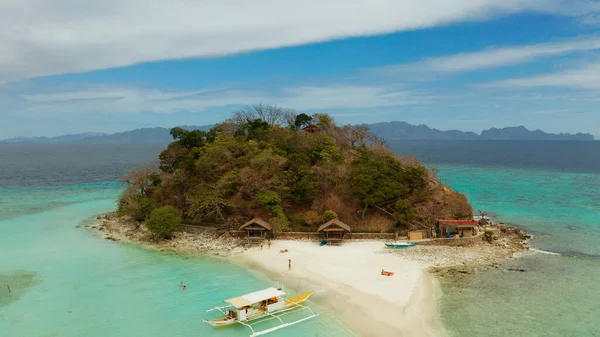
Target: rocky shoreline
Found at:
x=462, y=256
x=115, y=228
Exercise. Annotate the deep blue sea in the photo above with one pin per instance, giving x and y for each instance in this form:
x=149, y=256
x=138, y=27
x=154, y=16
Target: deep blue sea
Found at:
x=66, y=282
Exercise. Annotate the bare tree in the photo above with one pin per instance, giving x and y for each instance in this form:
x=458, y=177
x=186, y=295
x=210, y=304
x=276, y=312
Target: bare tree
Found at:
x=290, y=118
x=356, y=135
x=271, y=114
x=138, y=181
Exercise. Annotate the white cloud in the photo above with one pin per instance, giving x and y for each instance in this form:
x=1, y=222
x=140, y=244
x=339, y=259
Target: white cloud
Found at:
x=586, y=77
x=99, y=100
x=592, y=19
x=495, y=57
x=47, y=37
x=335, y=97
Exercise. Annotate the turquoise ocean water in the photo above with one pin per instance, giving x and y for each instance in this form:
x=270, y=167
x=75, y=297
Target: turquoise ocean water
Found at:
x=67, y=282
x=550, y=189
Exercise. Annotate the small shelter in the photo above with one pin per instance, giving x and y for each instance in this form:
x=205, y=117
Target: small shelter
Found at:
x=333, y=231
x=462, y=228
x=258, y=230
x=311, y=128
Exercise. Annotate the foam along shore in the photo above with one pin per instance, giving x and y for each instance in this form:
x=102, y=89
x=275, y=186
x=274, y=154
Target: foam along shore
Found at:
x=352, y=286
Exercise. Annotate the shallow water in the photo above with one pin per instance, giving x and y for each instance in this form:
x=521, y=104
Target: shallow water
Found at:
x=556, y=295
x=71, y=283
x=67, y=282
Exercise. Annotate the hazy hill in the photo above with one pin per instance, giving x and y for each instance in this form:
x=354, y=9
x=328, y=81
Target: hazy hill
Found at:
x=59, y=139
x=385, y=130
x=405, y=131
x=522, y=133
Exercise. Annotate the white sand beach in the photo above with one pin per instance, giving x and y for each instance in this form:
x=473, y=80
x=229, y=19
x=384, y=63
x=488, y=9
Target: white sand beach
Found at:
x=348, y=280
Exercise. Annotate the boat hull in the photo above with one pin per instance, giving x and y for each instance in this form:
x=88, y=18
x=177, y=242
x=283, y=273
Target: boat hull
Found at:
x=221, y=323
x=400, y=244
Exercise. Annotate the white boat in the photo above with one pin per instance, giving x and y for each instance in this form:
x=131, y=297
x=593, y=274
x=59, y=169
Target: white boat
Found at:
x=261, y=306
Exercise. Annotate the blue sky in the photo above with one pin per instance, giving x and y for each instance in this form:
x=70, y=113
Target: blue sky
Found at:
x=68, y=66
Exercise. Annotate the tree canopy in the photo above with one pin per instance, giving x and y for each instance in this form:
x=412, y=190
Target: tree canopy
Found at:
x=261, y=162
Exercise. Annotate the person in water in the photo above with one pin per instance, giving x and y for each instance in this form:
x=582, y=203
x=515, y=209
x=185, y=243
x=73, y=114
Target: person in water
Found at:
x=184, y=287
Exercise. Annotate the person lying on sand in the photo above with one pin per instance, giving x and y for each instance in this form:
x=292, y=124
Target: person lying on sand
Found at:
x=283, y=251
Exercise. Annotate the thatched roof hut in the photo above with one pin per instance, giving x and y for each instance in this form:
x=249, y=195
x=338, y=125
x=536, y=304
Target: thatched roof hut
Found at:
x=256, y=224
x=333, y=231
x=258, y=230
x=334, y=225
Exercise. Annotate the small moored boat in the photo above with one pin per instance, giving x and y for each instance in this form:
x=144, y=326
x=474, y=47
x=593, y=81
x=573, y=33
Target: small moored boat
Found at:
x=400, y=244
x=260, y=306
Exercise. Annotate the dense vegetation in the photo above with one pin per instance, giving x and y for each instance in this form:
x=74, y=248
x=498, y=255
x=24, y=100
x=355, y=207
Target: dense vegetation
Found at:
x=263, y=163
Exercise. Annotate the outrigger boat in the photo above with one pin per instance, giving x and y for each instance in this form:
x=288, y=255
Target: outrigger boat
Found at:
x=261, y=306
x=400, y=244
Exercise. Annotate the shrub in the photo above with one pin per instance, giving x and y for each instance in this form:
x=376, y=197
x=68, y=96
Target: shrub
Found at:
x=164, y=221
x=268, y=198
x=312, y=217
x=147, y=205
x=279, y=225
x=278, y=213
x=329, y=215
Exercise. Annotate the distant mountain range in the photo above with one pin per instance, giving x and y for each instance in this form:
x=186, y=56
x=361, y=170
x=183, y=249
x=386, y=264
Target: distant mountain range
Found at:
x=70, y=138
x=405, y=131
x=388, y=130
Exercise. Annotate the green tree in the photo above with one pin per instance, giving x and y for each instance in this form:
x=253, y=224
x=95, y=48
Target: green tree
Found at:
x=329, y=215
x=257, y=129
x=268, y=198
x=405, y=212
x=302, y=120
x=147, y=205
x=191, y=139
x=164, y=221
x=377, y=178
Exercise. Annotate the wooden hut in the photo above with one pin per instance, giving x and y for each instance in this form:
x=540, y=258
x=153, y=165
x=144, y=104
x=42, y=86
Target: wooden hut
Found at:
x=333, y=231
x=461, y=228
x=258, y=230
x=311, y=128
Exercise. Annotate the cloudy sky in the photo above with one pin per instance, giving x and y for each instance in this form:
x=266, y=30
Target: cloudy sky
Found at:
x=69, y=66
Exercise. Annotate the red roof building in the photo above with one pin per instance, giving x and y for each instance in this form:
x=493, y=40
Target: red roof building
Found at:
x=311, y=128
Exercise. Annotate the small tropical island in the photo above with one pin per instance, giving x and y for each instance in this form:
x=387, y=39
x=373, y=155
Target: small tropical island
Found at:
x=270, y=187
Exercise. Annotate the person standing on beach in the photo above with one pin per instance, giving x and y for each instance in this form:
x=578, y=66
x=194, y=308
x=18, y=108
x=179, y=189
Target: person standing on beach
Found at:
x=289, y=264
x=269, y=243
x=261, y=245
